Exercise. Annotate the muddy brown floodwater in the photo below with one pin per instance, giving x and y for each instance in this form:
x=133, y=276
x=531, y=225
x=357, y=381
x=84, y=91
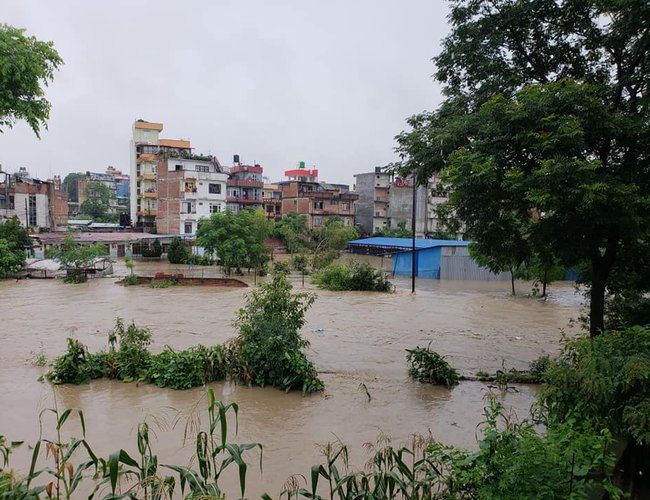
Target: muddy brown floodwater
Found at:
x=356, y=338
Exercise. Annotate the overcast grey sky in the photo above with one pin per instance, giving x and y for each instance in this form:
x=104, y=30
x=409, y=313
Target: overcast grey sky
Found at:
x=329, y=82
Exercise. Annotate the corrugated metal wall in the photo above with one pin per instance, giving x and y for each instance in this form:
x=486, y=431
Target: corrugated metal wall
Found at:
x=456, y=264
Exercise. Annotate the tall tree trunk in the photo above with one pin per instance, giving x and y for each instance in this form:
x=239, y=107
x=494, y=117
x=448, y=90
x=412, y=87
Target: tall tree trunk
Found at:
x=544, y=280
x=512, y=280
x=600, y=269
x=597, y=303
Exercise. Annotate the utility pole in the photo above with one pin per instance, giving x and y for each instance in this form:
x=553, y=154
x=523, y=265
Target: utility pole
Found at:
x=413, y=264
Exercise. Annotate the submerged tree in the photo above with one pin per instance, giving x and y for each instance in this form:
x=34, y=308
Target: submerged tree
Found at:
x=543, y=136
x=26, y=66
x=76, y=258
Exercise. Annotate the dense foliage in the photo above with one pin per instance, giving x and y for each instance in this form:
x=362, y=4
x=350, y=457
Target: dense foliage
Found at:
x=76, y=258
x=428, y=366
x=329, y=239
x=14, y=241
x=604, y=382
x=177, y=252
x=26, y=66
x=268, y=348
x=237, y=240
x=292, y=231
x=153, y=250
x=97, y=202
x=542, y=140
x=353, y=276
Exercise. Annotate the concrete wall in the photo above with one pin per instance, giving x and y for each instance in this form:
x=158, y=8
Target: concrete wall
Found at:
x=364, y=208
x=401, y=206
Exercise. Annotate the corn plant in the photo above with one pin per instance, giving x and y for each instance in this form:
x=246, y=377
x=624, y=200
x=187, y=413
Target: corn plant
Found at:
x=214, y=454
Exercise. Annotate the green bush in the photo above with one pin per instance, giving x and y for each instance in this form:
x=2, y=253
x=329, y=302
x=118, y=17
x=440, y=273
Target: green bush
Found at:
x=569, y=460
x=185, y=369
x=73, y=367
x=152, y=251
x=281, y=267
x=604, y=381
x=361, y=277
x=268, y=348
x=428, y=366
x=128, y=347
x=177, y=252
x=162, y=283
x=131, y=280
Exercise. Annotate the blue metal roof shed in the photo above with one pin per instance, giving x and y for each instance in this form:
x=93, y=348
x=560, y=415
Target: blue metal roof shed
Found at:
x=427, y=254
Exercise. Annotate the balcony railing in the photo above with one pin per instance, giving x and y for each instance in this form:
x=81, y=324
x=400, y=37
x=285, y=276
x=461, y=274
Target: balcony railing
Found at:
x=245, y=183
x=236, y=199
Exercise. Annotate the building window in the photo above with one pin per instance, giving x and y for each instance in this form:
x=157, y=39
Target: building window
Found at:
x=317, y=221
x=188, y=228
x=214, y=188
x=318, y=205
x=202, y=168
x=178, y=167
x=346, y=206
x=31, y=221
x=188, y=208
x=215, y=208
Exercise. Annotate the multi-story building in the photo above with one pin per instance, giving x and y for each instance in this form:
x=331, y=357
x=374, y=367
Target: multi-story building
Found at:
x=319, y=201
x=386, y=202
x=244, y=186
x=145, y=145
x=188, y=190
x=180, y=166
x=272, y=201
x=39, y=205
x=122, y=188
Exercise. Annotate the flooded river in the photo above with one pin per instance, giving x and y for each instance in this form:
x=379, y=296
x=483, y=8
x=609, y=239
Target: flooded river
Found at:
x=356, y=338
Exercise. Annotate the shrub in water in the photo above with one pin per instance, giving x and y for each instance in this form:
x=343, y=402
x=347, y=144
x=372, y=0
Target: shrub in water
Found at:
x=268, y=348
x=131, y=280
x=361, y=277
x=185, y=369
x=426, y=365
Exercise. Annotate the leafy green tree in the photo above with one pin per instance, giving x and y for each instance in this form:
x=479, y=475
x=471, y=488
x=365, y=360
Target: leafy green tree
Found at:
x=292, y=231
x=12, y=260
x=543, y=136
x=14, y=241
x=26, y=66
x=17, y=235
x=75, y=258
x=329, y=239
x=177, y=252
x=98, y=202
x=69, y=184
x=236, y=239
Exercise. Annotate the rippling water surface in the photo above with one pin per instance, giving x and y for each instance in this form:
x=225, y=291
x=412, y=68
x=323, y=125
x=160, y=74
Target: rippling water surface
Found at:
x=356, y=338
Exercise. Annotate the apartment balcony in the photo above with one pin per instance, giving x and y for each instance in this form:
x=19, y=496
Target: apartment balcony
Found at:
x=381, y=200
x=245, y=183
x=147, y=157
x=148, y=177
x=149, y=194
x=235, y=199
x=246, y=168
x=147, y=213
